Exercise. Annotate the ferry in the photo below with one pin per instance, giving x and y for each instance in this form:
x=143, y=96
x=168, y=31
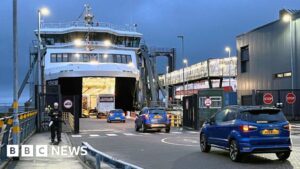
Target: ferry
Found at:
x=94, y=63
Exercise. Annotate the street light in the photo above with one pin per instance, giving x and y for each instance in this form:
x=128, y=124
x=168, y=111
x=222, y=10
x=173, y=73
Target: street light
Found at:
x=40, y=65
x=185, y=62
x=182, y=44
x=288, y=18
x=44, y=11
x=167, y=88
x=228, y=49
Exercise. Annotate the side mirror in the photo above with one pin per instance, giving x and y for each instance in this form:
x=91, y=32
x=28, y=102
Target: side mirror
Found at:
x=211, y=121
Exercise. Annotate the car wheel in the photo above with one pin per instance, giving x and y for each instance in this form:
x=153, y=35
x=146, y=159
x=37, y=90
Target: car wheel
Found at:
x=203, y=144
x=136, y=128
x=124, y=121
x=234, y=151
x=144, y=128
x=167, y=130
x=283, y=155
x=109, y=121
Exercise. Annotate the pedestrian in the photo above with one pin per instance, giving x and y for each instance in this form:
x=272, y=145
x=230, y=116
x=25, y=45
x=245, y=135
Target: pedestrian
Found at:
x=55, y=123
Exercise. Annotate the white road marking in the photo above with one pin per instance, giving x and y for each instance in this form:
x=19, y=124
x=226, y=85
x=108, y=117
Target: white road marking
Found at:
x=76, y=135
x=176, y=144
x=111, y=134
x=129, y=134
x=176, y=132
x=145, y=133
x=193, y=132
x=94, y=135
x=98, y=130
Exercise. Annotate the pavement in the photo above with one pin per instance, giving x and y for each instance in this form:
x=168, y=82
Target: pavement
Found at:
x=52, y=161
x=178, y=149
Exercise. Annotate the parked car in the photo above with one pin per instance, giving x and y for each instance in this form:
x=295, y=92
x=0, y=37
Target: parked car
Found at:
x=243, y=130
x=116, y=115
x=93, y=113
x=152, y=118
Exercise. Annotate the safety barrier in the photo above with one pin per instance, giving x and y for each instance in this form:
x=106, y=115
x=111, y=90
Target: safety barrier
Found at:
x=98, y=157
x=176, y=120
x=27, y=121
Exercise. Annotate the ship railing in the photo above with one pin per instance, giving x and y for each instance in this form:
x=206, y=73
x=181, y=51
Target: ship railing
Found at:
x=129, y=28
x=27, y=121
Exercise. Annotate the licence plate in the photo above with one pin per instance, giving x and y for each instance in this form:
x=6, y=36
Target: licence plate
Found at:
x=270, y=132
x=118, y=118
x=157, y=117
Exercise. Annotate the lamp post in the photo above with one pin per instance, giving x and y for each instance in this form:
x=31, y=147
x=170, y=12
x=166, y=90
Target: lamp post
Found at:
x=40, y=65
x=227, y=49
x=167, y=88
x=16, y=126
x=289, y=18
x=185, y=62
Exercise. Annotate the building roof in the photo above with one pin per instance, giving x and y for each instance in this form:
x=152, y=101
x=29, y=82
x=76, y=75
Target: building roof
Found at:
x=294, y=12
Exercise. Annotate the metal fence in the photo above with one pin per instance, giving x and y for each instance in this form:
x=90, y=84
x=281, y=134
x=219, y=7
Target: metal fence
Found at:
x=95, y=158
x=27, y=128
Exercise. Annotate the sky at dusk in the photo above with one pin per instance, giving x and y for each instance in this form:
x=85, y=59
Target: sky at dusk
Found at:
x=207, y=25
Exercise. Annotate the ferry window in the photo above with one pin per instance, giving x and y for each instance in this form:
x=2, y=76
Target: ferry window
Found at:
x=53, y=57
x=109, y=58
x=59, y=57
x=76, y=57
x=124, y=59
x=65, y=57
x=101, y=58
x=93, y=57
x=86, y=57
x=128, y=58
x=118, y=58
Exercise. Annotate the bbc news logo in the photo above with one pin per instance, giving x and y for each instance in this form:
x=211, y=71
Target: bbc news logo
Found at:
x=44, y=151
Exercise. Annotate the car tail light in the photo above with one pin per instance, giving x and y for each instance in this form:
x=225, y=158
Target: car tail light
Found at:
x=287, y=127
x=247, y=128
x=111, y=114
x=123, y=114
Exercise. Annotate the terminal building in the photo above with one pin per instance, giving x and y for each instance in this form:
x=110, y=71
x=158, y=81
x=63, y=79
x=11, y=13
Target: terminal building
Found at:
x=269, y=61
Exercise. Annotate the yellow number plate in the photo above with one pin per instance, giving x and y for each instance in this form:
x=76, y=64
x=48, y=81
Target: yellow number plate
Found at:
x=157, y=117
x=270, y=132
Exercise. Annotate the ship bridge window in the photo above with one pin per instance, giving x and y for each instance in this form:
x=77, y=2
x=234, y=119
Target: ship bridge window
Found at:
x=90, y=57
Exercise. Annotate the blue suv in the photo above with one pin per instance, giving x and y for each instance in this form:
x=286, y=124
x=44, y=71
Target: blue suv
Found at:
x=243, y=130
x=116, y=115
x=152, y=118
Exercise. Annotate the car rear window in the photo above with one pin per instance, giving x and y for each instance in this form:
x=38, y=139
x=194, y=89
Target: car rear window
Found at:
x=263, y=116
x=157, y=111
x=117, y=111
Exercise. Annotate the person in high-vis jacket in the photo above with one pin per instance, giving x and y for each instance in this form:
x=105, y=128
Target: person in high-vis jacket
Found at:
x=55, y=123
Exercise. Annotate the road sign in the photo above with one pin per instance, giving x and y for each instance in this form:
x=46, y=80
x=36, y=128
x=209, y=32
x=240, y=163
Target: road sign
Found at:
x=207, y=102
x=290, y=98
x=268, y=98
x=68, y=104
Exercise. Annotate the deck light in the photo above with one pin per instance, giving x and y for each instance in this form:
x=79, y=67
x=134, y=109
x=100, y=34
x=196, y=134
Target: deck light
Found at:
x=78, y=42
x=107, y=43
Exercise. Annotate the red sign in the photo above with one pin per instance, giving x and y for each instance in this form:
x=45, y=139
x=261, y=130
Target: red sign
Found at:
x=268, y=98
x=207, y=102
x=290, y=98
